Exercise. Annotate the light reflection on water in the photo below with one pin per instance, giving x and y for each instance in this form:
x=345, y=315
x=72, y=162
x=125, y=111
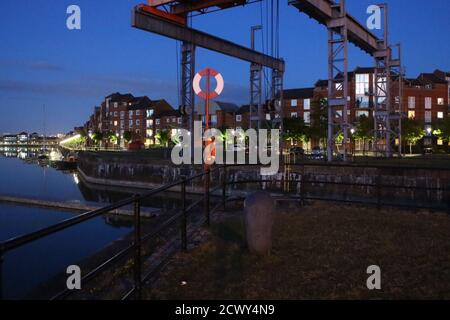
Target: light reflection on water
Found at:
x=34, y=263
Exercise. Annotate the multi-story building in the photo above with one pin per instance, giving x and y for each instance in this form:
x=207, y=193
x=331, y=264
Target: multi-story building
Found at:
x=425, y=98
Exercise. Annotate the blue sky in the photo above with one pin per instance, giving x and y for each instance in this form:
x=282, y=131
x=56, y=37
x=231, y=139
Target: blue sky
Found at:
x=42, y=62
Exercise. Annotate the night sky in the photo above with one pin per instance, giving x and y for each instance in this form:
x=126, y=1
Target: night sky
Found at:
x=42, y=62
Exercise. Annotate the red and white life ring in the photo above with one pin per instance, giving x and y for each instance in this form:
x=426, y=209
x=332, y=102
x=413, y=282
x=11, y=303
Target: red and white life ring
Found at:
x=208, y=72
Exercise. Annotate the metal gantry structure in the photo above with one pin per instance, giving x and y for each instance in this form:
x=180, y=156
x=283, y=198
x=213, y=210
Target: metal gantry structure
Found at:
x=342, y=29
x=170, y=18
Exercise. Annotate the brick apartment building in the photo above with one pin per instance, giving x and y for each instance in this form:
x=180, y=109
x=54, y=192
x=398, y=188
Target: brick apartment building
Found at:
x=425, y=98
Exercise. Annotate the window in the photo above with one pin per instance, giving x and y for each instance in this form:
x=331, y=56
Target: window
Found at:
x=440, y=101
x=268, y=116
x=411, y=102
x=294, y=115
x=307, y=104
x=115, y=105
x=122, y=114
x=359, y=114
x=293, y=102
x=428, y=101
x=158, y=121
x=138, y=112
x=122, y=124
x=138, y=122
x=149, y=133
x=238, y=118
x=411, y=114
x=167, y=120
x=180, y=120
x=150, y=113
x=174, y=119
x=115, y=123
x=130, y=123
x=362, y=102
x=307, y=117
x=440, y=115
x=213, y=118
x=130, y=113
x=149, y=123
x=362, y=84
x=115, y=113
x=428, y=116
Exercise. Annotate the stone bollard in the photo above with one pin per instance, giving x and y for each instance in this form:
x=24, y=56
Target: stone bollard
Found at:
x=259, y=210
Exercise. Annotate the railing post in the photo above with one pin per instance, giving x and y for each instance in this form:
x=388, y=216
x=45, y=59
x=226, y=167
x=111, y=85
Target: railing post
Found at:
x=1, y=274
x=183, y=215
x=137, y=248
x=224, y=187
x=378, y=190
x=206, y=199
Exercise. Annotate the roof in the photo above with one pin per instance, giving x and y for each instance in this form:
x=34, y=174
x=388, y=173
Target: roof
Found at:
x=118, y=97
x=215, y=106
x=140, y=103
x=303, y=93
x=428, y=78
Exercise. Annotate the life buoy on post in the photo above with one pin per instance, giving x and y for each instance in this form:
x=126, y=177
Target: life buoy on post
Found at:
x=208, y=72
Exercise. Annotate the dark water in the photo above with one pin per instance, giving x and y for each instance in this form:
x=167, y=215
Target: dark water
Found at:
x=32, y=264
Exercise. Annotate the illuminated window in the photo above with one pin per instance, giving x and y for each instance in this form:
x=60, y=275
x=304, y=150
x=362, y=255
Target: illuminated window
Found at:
x=238, y=118
x=115, y=123
x=440, y=115
x=307, y=117
x=362, y=84
x=294, y=115
x=149, y=123
x=440, y=101
x=267, y=116
x=411, y=102
x=411, y=114
x=428, y=102
x=307, y=104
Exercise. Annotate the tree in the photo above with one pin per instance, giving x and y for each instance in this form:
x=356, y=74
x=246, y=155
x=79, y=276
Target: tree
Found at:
x=442, y=130
x=127, y=136
x=163, y=137
x=112, y=137
x=412, y=132
x=295, y=130
x=97, y=137
x=364, y=130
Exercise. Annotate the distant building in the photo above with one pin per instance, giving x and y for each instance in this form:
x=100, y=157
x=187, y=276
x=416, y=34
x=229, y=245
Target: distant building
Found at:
x=22, y=137
x=10, y=139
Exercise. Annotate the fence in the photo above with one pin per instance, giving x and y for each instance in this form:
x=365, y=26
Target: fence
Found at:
x=182, y=218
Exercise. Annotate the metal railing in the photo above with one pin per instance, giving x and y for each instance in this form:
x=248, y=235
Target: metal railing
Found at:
x=182, y=216
x=138, y=239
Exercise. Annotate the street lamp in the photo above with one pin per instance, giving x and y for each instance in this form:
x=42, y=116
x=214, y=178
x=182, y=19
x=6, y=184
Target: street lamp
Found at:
x=429, y=130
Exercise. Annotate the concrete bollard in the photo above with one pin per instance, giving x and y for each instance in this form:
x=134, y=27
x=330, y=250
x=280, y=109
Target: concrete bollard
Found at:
x=259, y=210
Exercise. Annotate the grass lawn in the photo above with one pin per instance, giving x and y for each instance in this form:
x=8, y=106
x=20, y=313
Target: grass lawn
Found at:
x=320, y=251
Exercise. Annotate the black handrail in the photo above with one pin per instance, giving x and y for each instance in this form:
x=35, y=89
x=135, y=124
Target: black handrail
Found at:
x=138, y=239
